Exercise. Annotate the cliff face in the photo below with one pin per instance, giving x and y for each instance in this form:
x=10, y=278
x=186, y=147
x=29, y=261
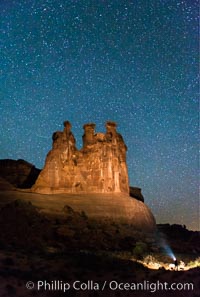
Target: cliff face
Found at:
x=99, y=167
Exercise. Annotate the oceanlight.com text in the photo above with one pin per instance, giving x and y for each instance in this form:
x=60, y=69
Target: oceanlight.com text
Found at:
x=113, y=285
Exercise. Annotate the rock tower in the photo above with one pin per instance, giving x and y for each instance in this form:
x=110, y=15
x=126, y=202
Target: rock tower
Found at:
x=98, y=167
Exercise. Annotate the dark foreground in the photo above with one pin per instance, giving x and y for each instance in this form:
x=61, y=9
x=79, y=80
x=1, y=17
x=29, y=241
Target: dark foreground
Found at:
x=44, y=254
x=84, y=274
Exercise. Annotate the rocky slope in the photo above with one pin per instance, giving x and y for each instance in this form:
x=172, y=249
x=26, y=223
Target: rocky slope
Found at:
x=19, y=173
x=116, y=207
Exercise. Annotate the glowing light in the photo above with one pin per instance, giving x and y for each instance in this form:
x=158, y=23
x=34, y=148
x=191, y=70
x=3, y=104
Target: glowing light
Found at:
x=167, y=248
x=169, y=252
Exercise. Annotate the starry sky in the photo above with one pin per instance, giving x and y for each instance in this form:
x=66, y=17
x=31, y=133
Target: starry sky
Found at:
x=131, y=61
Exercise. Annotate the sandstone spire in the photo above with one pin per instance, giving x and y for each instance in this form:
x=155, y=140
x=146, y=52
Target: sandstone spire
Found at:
x=99, y=167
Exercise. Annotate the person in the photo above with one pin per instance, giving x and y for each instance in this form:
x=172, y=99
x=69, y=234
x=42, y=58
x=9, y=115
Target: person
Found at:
x=176, y=264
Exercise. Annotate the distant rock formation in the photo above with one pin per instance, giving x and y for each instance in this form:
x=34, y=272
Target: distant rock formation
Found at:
x=136, y=193
x=179, y=238
x=18, y=173
x=99, y=167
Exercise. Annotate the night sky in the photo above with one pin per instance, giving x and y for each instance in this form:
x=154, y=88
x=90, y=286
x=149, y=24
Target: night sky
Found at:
x=133, y=62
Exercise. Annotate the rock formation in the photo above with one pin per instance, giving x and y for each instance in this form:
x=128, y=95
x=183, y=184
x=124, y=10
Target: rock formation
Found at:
x=93, y=179
x=99, y=167
x=5, y=185
x=136, y=193
x=19, y=173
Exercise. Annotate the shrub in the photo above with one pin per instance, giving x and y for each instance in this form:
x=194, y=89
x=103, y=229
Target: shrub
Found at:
x=140, y=249
x=195, y=263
